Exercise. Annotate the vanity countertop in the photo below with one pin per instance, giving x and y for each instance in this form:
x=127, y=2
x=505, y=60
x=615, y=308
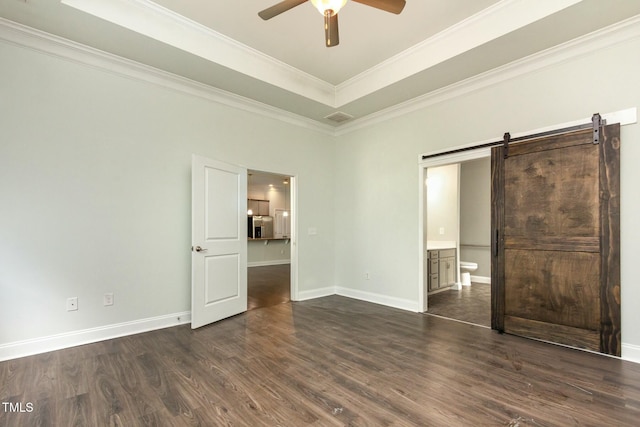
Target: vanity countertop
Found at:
x=435, y=245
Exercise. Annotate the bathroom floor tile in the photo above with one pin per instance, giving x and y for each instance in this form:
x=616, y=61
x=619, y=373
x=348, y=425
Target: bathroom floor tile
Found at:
x=470, y=304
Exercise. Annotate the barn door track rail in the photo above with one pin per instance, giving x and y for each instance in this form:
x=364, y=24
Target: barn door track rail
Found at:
x=596, y=123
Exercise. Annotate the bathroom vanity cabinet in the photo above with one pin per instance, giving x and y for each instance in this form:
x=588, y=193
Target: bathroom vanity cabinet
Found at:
x=441, y=268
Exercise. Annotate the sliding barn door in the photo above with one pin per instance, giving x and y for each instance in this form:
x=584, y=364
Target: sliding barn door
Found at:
x=555, y=213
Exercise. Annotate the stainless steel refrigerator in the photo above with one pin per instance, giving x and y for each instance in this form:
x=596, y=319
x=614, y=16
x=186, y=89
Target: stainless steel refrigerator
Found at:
x=260, y=227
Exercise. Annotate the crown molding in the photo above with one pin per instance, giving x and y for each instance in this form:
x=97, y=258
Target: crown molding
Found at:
x=618, y=33
x=150, y=19
x=46, y=43
x=27, y=37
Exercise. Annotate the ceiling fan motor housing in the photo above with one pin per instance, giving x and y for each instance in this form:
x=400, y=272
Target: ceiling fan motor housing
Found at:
x=330, y=6
x=329, y=9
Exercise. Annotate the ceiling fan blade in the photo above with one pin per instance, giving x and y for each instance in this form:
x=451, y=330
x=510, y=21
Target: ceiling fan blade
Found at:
x=393, y=6
x=331, y=29
x=278, y=8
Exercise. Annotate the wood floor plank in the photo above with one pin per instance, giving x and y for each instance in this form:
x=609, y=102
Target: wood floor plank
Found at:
x=72, y=373
x=75, y=411
x=332, y=361
x=268, y=285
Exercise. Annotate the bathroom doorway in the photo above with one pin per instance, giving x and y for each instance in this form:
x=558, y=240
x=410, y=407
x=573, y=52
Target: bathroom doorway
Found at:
x=457, y=221
x=270, y=216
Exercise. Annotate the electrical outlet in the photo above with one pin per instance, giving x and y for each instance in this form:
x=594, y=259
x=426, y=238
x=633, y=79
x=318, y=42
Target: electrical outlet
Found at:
x=72, y=304
x=108, y=299
x=441, y=231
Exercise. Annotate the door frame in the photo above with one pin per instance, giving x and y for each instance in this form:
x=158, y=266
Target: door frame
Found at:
x=624, y=117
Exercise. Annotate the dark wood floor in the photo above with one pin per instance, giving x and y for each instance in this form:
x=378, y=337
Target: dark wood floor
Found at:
x=470, y=304
x=332, y=361
x=268, y=285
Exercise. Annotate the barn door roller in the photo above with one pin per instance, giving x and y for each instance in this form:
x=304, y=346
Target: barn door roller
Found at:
x=505, y=142
x=597, y=124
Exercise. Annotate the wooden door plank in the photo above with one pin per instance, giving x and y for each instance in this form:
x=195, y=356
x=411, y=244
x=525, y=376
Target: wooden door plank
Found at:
x=564, y=140
x=552, y=193
x=610, y=328
x=567, y=335
x=553, y=287
x=554, y=243
x=497, y=246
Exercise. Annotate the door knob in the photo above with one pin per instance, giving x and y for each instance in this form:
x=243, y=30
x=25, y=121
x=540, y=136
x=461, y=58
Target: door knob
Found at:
x=199, y=249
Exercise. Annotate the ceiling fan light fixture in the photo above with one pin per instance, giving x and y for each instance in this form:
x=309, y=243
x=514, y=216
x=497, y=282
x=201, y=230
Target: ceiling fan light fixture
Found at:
x=328, y=5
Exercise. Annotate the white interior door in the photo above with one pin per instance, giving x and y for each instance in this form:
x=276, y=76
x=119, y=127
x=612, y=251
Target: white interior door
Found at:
x=219, y=237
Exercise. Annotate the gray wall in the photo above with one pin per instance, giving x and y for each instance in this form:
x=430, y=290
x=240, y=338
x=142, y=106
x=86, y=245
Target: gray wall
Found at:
x=475, y=214
x=95, y=191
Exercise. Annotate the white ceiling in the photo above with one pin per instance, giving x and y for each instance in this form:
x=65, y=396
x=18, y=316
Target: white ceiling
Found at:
x=262, y=181
x=383, y=59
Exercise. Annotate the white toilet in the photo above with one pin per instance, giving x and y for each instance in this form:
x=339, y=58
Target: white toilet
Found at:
x=465, y=272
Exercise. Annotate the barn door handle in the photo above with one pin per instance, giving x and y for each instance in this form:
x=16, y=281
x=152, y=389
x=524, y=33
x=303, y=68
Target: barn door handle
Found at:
x=496, y=244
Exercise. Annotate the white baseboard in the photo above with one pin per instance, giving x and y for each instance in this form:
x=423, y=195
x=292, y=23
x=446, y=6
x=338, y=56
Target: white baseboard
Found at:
x=631, y=352
x=481, y=279
x=403, y=304
x=316, y=293
x=86, y=336
x=267, y=263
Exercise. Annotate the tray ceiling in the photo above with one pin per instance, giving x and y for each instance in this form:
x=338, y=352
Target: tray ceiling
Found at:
x=382, y=60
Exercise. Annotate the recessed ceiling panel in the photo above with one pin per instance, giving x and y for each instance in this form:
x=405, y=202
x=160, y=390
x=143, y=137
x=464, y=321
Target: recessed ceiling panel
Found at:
x=368, y=36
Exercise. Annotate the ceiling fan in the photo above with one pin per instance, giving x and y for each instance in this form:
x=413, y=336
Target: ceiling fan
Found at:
x=330, y=8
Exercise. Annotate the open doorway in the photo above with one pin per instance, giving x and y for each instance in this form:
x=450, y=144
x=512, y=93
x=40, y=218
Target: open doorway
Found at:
x=458, y=234
x=269, y=219
x=457, y=240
